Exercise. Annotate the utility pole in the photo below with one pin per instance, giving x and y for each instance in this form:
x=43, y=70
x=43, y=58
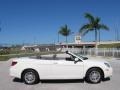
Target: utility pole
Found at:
x=34, y=40
x=0, y=25
x=117, y=37
x=58, y=38
x=117, y=32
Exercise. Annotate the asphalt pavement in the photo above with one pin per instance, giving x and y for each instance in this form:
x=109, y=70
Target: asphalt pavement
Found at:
x=10, y=83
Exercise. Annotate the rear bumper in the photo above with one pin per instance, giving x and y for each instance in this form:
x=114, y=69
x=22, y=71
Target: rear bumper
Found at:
x=14, y=73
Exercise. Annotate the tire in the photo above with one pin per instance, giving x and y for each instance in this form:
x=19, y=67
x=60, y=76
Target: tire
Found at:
x=30, y=77
x=94, y=75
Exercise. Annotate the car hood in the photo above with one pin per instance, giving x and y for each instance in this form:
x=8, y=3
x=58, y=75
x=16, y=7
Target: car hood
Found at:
x=95, y=61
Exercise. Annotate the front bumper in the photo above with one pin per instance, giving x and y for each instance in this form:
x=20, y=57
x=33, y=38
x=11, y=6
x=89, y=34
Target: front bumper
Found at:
x=108, y=72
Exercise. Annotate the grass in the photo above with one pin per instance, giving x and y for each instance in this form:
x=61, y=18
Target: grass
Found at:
x=8, y=56
x=116, y=45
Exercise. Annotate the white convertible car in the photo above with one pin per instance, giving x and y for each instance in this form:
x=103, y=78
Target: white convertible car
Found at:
x=66, y=66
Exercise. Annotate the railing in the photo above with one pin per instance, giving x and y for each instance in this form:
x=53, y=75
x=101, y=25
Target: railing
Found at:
x=108, y=52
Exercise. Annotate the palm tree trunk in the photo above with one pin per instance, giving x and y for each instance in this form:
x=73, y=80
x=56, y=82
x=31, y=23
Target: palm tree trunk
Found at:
x=99, y=36
x=66, y=39
x=96, y=51
x=66, y=42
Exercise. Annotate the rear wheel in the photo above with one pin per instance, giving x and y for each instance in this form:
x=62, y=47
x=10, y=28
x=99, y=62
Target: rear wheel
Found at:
x=30, y=77
x=94, y=75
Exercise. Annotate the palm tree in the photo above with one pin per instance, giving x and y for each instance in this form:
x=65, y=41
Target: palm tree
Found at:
x=65, y=31
x=93, y=25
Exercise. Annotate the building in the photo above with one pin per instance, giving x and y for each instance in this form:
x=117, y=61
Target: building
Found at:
x=77, y=39
x=39, y=48
x=78, y=43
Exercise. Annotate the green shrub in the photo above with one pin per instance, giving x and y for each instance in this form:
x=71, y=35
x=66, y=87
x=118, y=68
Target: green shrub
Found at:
x=4, y=52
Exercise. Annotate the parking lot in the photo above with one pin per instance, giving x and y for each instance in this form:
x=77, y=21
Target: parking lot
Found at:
x=9, y=83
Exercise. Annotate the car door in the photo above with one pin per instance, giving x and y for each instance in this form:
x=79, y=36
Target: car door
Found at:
x=63, y=69
x=45, y=68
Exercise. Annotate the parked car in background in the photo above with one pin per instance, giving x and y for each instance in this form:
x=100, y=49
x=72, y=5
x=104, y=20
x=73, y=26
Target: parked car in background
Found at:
x=64, y=66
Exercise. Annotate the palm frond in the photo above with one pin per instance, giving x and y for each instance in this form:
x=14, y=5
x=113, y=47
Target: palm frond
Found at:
x=102, y=26
x=85, y=29
x=97, y=20
x=64, y=30
x=85, y=32
x=89, y=17
x=96, y=23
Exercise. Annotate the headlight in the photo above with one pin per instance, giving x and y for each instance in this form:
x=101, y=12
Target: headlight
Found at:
x=106, y=64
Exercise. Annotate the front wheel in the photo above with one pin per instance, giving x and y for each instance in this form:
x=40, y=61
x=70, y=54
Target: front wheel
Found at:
x=30, y=77
x=94, y=75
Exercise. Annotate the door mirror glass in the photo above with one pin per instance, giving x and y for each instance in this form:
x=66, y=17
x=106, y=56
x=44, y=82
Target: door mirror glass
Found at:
x=76, y=59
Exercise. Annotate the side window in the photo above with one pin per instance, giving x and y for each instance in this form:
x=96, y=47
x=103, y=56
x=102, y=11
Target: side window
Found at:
x=70, y=58
x=73, y=58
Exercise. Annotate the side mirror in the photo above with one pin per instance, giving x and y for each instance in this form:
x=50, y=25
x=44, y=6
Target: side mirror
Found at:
x=85, y=58
x=66, y=52
x=76, y=60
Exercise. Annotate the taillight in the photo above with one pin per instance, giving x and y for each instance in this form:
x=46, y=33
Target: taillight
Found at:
x=13, y=63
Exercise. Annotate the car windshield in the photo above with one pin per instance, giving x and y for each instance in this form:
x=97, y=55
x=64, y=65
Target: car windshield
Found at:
x=82, y=57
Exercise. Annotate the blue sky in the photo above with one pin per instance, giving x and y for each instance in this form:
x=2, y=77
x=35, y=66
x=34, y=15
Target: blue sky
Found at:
x=29, y=21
